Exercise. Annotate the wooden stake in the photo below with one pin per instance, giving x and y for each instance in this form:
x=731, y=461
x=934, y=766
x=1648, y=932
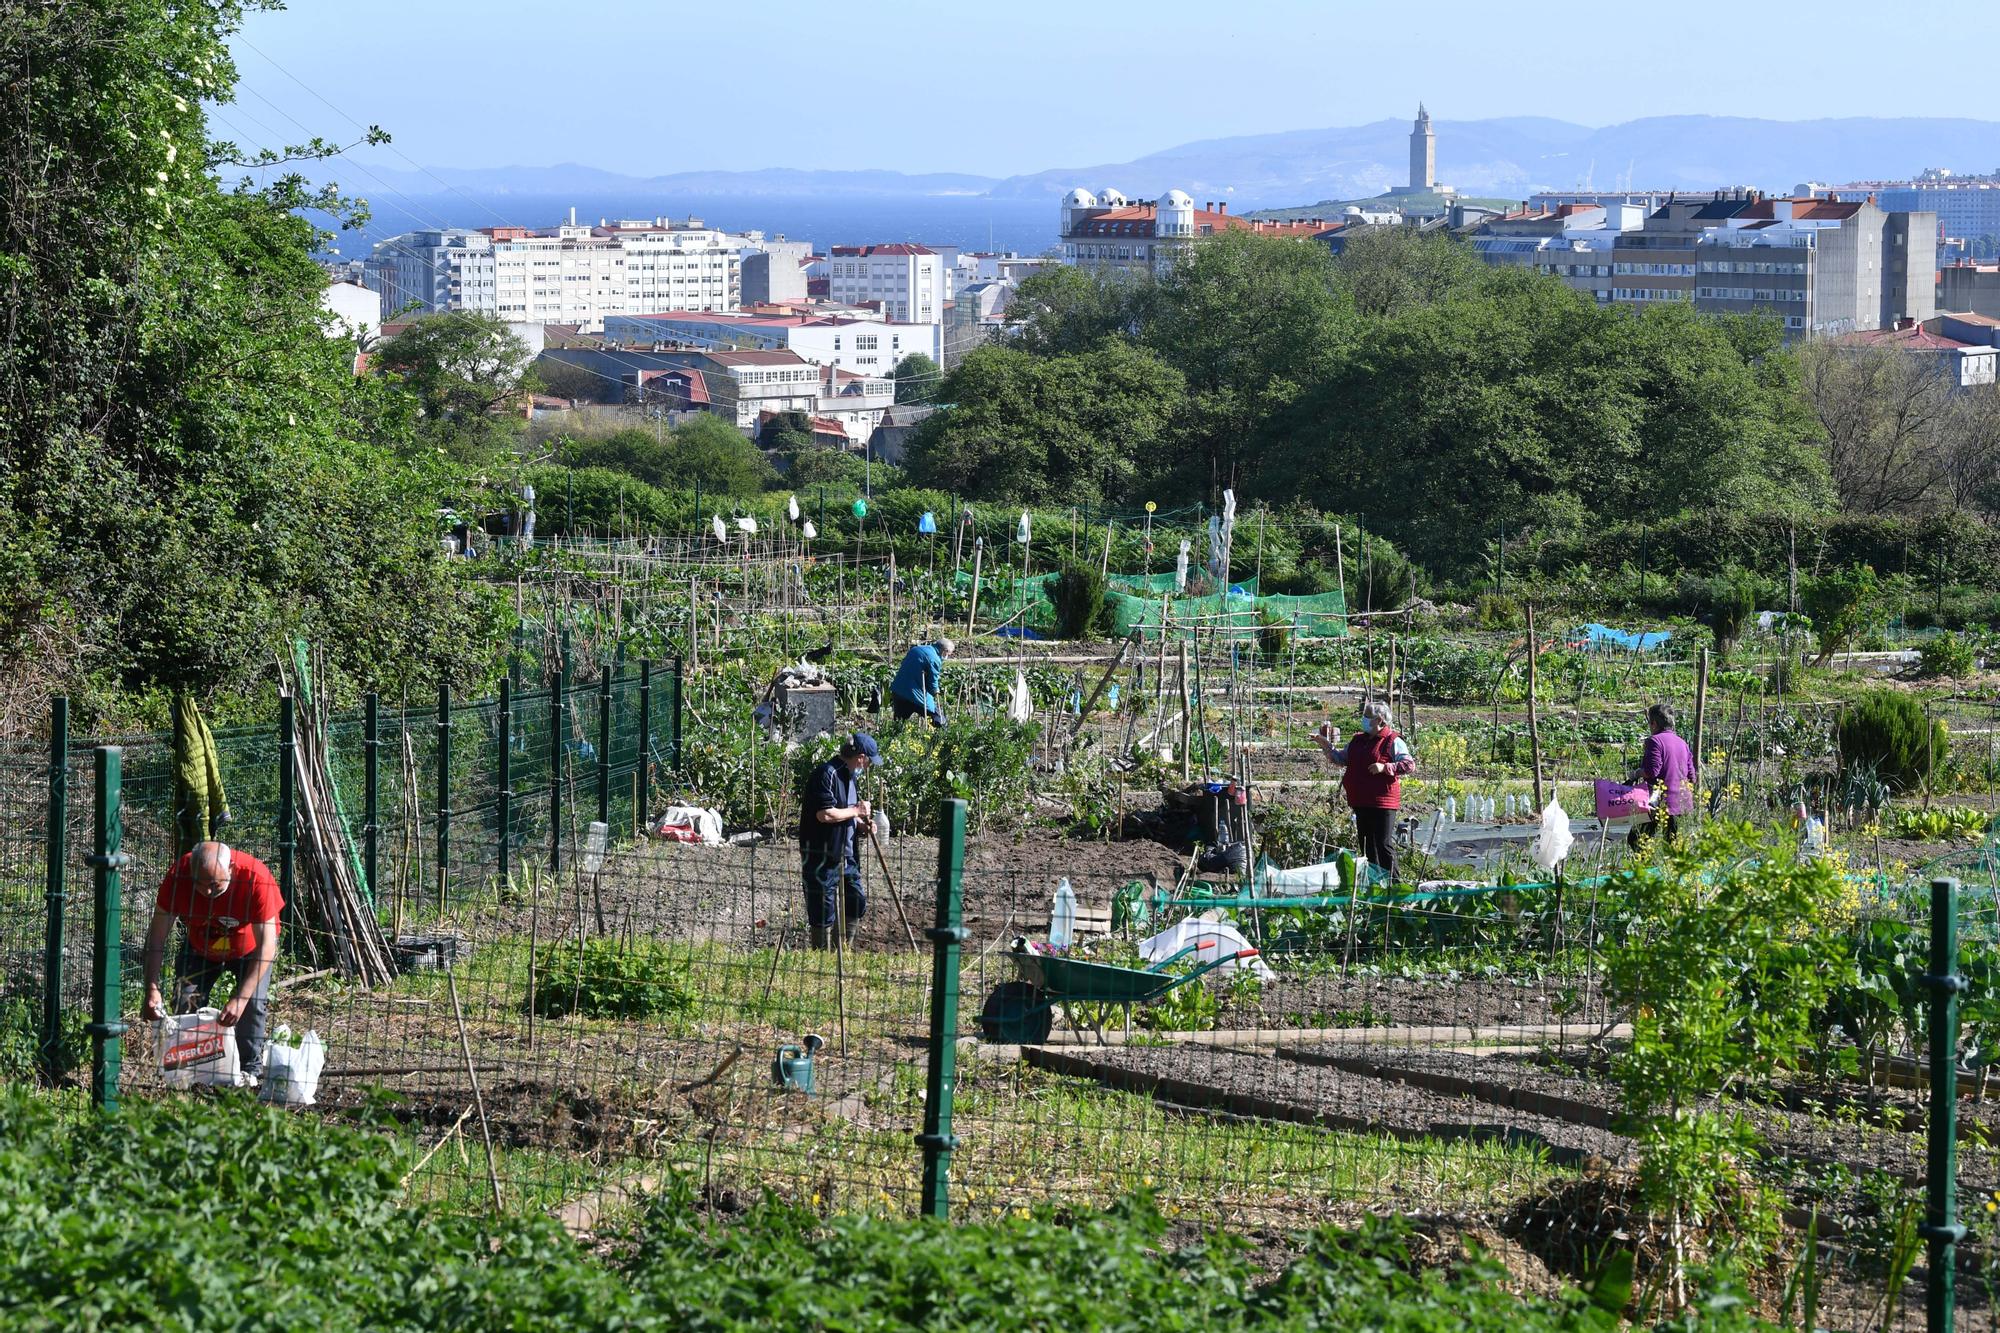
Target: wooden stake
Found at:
x=478, y=1099
x=895, y=895
x=978, y=559
x=1700, y=709
x=1534, y=722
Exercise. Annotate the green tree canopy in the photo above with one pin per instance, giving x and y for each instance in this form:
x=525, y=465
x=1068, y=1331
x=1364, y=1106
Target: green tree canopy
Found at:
x=465, y=369
x=1038, y=429
x=189, y=471
x=916, y=377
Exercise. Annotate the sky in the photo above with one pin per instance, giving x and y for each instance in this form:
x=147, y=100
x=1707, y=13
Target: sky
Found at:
x=646, y=87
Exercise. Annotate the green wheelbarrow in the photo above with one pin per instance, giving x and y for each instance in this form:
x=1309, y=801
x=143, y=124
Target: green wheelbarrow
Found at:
x=1022, y=1012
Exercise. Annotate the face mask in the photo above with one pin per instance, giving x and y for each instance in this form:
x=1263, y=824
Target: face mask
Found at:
x=1368, y=725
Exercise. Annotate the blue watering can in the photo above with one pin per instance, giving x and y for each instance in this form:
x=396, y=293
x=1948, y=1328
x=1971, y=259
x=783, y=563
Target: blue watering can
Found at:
x=793, y=1067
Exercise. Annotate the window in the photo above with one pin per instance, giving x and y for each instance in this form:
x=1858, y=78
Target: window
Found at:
x=866, y=342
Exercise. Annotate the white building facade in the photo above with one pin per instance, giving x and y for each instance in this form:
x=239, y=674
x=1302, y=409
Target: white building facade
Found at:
x=847, y=341
x=908, y=280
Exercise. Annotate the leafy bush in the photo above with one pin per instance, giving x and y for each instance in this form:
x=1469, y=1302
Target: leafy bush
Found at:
x=1886, y=731
x=21, y=1040
x=1082, y=610
x=1939, y=824
x=1735, y=946
x=1497, y=611
x=1274, y=633
x=1947, y=655
x=105, y=1232
x=608, y=978
x=1732, y=602
x=1843, y=605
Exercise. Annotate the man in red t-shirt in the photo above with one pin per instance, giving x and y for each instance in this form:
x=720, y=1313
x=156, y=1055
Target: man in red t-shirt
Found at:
x=230, y=903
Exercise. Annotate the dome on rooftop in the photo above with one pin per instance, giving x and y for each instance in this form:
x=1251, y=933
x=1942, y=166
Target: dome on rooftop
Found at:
x=1176, y=199
x=1080, y=198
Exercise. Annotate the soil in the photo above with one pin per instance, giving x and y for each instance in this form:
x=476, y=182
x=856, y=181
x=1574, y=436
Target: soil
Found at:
x=1260, y=1085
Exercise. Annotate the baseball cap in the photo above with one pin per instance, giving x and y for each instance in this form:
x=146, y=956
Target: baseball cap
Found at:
x=862, y=743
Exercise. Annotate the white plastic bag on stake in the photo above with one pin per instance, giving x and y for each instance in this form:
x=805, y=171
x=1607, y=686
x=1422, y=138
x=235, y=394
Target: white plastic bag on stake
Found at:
x=195, y=1049
x=1020, y=704
x=1552, y=844
x=291, y=1072
x=1180, y=569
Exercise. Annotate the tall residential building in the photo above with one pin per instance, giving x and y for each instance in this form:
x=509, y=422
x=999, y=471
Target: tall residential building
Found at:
x=775, y=272
x=443, y=269
x=569, y=274
x=1110, y=232
x=1822, y=268
x=1967, y=207
x=908, y=280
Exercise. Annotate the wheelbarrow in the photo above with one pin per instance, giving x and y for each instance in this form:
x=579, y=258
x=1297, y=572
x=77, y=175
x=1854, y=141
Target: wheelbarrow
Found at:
x=1022, y=1011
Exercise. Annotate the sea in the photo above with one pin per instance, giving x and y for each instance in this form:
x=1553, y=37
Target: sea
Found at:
x=973, y=222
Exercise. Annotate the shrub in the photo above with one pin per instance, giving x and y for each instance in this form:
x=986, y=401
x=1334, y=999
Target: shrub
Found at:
x=1886, y=731
x=1732, y=599
x=1083, y=611
x=1497, y=611
x=1274, y=633
x=607, y=978
x=1947, y=655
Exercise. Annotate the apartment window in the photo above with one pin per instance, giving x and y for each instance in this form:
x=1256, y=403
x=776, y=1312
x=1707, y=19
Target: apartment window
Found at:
x=866, y=342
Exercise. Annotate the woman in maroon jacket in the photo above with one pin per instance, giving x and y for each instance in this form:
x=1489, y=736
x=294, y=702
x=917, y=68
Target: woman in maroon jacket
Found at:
x=1373, y=766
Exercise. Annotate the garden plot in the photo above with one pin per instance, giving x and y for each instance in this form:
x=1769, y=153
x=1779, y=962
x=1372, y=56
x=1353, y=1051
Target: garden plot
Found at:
x=1810, y=1145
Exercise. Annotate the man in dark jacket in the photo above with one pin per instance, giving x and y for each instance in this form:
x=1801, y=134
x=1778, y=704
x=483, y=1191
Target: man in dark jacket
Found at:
x=1373, y=766
x=830, y=812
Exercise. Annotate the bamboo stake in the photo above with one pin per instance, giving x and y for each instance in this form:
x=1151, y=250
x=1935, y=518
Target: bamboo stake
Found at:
x=478, y=1099
x=1534, y=721
x=895, y=894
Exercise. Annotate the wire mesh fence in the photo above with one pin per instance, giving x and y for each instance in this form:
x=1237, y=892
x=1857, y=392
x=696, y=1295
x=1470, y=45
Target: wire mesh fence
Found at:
x=575, y=1019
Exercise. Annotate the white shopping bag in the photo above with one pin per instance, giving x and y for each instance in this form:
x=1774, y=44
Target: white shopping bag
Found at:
x=1552, y=844
x=291, y=1072
x=195, y=1049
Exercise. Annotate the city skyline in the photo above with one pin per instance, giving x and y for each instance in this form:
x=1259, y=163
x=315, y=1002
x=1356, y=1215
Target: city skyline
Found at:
x=919, y=92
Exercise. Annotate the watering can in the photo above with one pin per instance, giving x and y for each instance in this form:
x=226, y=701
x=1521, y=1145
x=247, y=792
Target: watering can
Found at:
x=793, y=1067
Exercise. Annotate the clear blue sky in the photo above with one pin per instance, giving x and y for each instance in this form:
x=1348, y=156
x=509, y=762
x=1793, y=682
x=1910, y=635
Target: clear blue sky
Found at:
x=651, y=86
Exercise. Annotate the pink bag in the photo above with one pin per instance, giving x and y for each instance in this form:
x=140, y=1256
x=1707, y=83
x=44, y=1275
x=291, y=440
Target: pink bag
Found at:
x=1615, y=800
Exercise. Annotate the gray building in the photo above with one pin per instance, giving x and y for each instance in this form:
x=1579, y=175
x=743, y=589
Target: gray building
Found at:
x=1823, y=267
x=775, y=273
x=1970, y=289
x=445, y=269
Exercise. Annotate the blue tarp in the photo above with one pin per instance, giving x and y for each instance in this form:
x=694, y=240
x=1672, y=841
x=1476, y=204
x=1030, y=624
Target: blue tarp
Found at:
x=1601, y=635
x=1016, y=632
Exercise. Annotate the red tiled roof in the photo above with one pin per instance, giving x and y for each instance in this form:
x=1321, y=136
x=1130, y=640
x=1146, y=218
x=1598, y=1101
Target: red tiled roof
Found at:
x=899, y=248
x=828, y=426
x=1916, y=339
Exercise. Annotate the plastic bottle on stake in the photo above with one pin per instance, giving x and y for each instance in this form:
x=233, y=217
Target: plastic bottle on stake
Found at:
x=1062, y=917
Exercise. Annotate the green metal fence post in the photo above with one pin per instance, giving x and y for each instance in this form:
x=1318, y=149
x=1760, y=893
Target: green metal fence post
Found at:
x=505, y=778
x=106, y=989
x=56, y=844
x=604, y=674
x=645, y=778
x=288, y=834
x=371, y=790
x=679, y=692
x=555, y=769
x=1941, y=1227
x=947, y=936
x=443, y=792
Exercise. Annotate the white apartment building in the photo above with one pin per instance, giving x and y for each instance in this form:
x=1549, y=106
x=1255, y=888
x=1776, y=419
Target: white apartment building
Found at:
x=849, y=342
x=908, y=280
x=570, y=274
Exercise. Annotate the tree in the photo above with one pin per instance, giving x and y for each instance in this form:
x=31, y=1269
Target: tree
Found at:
x=708, y=449
x=1061, y=310
x=1881, y=409
x=464, y=367
x=1047, y=429
x=190, y=474
x=1843, y=605
x=1248, y=321
x=1388, y=270
x=916, y=377
x=566, y=379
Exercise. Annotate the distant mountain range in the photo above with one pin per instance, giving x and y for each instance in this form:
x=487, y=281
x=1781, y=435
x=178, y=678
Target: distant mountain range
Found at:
x=1507, y=157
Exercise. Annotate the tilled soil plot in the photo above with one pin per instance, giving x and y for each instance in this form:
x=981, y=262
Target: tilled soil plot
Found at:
x=1852, y=1139
x=1359, y=1000
x=1261, y=1086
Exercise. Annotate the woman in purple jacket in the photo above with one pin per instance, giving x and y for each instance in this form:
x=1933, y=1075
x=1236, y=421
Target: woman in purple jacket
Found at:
x=1665, y=763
